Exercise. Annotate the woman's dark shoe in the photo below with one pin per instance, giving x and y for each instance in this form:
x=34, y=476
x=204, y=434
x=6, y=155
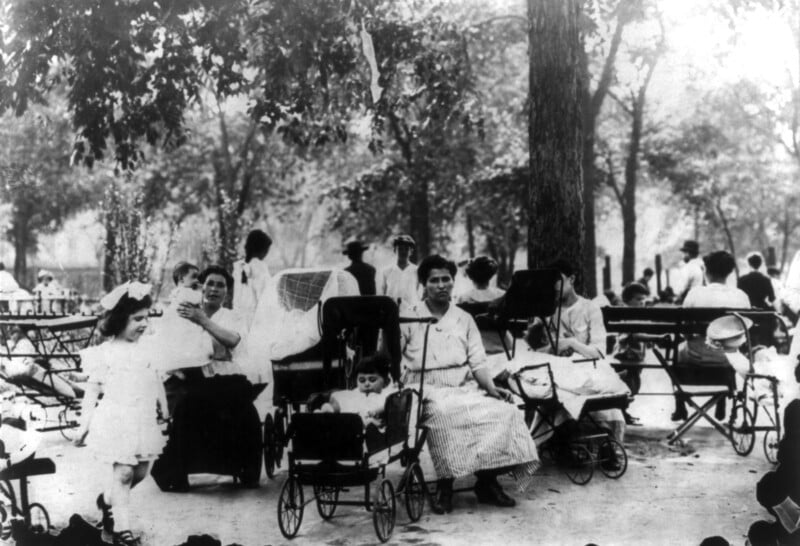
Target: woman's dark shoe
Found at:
x=107, y=516
x=490, y=492
x=442, y=503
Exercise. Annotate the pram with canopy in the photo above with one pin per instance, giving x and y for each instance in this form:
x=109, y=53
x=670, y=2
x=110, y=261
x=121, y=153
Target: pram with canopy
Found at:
x=334, y=452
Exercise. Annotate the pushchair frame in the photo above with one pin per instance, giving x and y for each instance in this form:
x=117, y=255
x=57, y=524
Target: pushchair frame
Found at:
x=577, y=455
x=330, y=439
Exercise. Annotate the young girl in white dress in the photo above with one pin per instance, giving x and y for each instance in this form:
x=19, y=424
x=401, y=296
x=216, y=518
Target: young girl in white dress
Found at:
x=250, y=276
x=123, y=428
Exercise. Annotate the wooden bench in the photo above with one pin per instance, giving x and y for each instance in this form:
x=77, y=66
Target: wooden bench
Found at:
x=677, y=324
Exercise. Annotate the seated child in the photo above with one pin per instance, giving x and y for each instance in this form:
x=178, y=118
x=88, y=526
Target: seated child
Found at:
x=728, y=334
x=369, y=397
x=630, y=349
x=25, y=365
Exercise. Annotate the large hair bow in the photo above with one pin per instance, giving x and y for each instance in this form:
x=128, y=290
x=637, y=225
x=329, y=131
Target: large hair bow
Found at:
x=133, y=289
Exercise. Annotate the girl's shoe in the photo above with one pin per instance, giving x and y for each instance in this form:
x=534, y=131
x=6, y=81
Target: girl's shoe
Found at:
x=107, y=515
x=126, y=538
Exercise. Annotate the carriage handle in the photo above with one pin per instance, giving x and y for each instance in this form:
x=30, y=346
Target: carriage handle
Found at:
x=429, y=321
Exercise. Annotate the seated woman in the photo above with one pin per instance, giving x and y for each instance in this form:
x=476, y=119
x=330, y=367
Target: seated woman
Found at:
x=480, y=271
x=220, y=323
x=582, y=334
x=25, y=365
x=472, y=428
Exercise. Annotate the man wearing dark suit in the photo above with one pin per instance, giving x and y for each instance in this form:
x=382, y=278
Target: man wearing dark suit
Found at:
x=756, y=285
x=363, y=272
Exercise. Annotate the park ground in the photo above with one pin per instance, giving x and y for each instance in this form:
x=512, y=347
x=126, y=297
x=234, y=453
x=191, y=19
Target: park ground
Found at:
x=669, y=495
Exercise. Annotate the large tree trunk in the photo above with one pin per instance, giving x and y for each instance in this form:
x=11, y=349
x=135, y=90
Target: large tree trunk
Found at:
x=590, y=244
x=555, y=227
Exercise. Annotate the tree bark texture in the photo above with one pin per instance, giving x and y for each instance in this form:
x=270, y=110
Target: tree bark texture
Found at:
x=556, y=221
x=629, y=194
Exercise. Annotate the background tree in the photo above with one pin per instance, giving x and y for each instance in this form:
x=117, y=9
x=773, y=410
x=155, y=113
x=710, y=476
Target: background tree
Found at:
x=36, y=179
x=599, y=59
x=630, y=99
x=555, y=192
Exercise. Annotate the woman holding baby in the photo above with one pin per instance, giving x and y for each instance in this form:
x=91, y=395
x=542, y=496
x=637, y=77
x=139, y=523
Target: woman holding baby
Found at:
x=472, y=427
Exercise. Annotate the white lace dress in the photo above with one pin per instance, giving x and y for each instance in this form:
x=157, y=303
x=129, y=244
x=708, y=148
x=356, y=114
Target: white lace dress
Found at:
x=124, y=427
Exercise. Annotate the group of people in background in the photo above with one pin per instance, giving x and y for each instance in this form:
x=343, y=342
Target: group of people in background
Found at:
x=473, y=429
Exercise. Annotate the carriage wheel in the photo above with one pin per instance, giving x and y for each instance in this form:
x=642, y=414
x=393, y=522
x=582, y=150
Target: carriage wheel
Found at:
x=290, y=507
x=743, y=436
x=270, y=446
x=615, y=458
x=384, y=510
x=39, y=518
x=7, y=491
x=327, y=497
x=67, y=423
x=579, y=463
x=771, y=440
x=414, y=492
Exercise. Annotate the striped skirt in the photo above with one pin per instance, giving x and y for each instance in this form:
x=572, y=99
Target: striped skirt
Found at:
x=469, y=431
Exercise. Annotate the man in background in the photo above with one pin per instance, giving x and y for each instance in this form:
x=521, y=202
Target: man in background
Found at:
x=756, y=285
x=399, y=281
x=363, y=272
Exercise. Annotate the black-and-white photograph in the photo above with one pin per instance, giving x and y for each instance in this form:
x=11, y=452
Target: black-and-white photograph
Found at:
x=414, y=272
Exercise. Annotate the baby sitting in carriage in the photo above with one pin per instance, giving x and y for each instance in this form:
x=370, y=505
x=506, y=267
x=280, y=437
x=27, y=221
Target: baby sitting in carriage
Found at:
x=369, y=397
x=729, y=334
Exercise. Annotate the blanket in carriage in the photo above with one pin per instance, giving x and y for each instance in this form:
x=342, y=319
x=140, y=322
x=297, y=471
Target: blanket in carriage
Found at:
x=575, y=382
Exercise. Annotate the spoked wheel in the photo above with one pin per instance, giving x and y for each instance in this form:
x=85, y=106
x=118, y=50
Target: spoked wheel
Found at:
x=7, y=491
x=771, y=440
x=743, y=435
x=384, y=510
x=327, y=497
x=40, y=519
x=579, y=463
x=290, y=507
x=612, y=458
x=414, y=492
x=270, y=446
x=68, y=422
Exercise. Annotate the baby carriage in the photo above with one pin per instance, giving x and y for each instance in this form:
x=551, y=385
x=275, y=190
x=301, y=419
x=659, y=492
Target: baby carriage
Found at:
x=56, y=341
x=331, y=453
x=347, y=328
x=577, y=445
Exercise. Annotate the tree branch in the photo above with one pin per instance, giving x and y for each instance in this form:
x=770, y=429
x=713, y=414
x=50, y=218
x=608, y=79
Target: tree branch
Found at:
x=606, y=74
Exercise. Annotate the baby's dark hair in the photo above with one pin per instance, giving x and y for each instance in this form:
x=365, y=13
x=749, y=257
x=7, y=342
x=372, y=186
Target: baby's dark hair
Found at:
x=115, y=320
x=378, y=363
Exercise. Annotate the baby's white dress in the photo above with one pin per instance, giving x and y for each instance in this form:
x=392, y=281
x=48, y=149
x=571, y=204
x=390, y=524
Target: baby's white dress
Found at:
x=124, y=427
